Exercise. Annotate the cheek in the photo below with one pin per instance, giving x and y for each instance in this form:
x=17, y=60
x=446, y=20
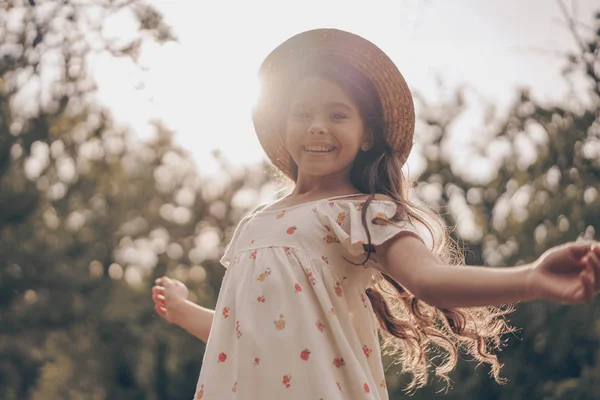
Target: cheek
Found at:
x=291, y=137
x=350, y=152
x=353, y=140
x=294, y=130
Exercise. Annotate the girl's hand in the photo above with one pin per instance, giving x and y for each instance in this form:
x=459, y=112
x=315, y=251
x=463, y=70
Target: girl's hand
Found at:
x=167, y=295
x=568, y=274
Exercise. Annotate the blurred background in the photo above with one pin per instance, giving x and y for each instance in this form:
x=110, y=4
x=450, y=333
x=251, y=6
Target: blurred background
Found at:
x=127, y=152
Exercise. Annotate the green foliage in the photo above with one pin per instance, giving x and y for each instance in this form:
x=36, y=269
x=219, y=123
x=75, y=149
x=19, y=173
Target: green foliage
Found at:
x=90, y=216
x=542, y=190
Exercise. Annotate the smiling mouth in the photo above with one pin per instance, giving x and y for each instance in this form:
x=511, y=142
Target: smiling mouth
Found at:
x=319, y=149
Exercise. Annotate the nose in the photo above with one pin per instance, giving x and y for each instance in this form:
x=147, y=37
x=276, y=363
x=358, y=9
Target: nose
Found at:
x=317, y=129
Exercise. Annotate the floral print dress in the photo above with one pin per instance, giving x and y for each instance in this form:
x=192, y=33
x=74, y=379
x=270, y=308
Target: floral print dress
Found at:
x=292, y=319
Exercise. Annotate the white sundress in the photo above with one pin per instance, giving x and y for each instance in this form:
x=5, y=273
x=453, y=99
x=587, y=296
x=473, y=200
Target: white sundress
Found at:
x=292, y=319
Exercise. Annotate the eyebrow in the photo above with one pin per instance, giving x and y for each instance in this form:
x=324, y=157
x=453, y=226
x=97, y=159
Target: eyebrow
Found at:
x=331, y=105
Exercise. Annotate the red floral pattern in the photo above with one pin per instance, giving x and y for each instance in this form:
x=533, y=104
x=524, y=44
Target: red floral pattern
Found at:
x=287, y=381
x=296, y=252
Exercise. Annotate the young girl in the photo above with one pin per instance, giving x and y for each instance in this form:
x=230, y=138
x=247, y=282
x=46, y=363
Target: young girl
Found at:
x=313, y=279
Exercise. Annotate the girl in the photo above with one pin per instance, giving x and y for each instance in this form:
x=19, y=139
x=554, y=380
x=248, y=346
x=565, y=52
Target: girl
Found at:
x=313, y=279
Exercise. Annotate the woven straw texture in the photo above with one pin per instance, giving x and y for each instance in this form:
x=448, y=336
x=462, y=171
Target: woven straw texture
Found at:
x=278, y=70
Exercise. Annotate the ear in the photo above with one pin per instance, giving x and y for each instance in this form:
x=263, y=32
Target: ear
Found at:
x=367, y=141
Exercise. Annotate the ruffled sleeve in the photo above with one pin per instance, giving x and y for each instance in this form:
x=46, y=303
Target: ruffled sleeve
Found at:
x=230, y=248
x=343, y=217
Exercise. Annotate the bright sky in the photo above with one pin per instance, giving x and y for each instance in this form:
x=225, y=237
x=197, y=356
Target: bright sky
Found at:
x=203, y=86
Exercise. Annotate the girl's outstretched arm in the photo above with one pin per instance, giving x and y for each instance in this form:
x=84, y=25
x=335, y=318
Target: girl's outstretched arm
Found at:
x=171, y=303
x=566, y=274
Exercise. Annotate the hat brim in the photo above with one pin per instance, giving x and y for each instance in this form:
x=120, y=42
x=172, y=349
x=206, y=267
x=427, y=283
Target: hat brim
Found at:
x=278, y=69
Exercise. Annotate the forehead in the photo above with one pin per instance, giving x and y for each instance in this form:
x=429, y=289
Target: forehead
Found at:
x=319, y=91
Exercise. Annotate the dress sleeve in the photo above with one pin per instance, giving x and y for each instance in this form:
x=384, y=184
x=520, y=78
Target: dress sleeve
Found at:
x=344, y=219
x=230, y=248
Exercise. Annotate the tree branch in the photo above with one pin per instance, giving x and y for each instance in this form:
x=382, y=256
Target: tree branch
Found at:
x=589, y=66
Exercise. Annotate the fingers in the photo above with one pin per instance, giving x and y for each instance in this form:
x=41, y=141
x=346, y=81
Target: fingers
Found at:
x=158, y=290
x=160, y=310
x=165, y=281
x=157, y=298
x=594, y=255
x=165, y=287
x=158, y=295
x=581, y=249
x=592, y=260
x=587, y=285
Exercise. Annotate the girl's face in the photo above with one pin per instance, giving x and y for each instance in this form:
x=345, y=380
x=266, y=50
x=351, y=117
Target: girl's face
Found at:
x=324, y=130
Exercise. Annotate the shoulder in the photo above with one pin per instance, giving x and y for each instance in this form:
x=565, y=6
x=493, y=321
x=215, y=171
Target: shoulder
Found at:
x=373, y=205
x=383, y=197
x=259, y=208
x=365, y=197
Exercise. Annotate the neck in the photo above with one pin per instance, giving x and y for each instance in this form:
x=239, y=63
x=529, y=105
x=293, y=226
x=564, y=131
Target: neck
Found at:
x=330, y=185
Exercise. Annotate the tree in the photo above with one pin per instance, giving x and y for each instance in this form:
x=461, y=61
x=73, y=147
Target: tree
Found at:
x=89, y=216
x=543, y=191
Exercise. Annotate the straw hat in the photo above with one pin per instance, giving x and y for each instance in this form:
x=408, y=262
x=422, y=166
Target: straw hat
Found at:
x=277, y=73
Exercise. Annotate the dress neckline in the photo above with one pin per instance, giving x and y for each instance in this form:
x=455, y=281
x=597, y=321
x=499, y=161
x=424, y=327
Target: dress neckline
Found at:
x=266, y=210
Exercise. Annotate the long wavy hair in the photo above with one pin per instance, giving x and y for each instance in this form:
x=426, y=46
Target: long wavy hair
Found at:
x=412, y=331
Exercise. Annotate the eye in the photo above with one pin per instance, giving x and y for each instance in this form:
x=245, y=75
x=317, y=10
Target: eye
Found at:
x=300, y=114
x=339, y=116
